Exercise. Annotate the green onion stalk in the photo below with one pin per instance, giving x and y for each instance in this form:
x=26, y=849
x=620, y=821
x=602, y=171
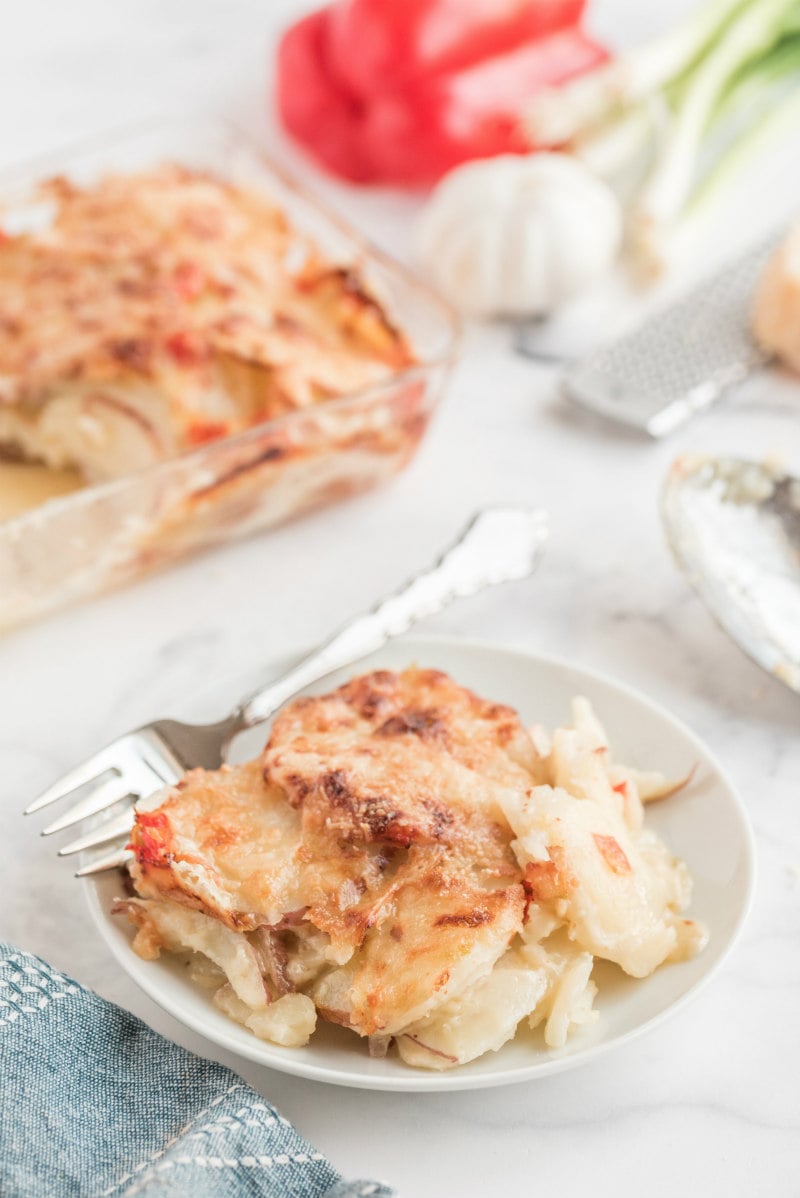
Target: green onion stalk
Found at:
x=752, y=35
x=722, y=83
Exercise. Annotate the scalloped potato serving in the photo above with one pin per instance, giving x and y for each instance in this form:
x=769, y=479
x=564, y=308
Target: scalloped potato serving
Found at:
x=408, y=861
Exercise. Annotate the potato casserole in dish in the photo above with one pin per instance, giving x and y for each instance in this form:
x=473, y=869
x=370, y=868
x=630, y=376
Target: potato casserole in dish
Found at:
x=190, y=349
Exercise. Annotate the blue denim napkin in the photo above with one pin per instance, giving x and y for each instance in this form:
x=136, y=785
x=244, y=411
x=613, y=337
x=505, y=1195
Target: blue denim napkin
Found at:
x=96, y=1104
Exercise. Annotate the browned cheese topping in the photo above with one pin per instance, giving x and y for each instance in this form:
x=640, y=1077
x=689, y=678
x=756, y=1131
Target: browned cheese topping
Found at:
x=176, y=308
x=374, y=818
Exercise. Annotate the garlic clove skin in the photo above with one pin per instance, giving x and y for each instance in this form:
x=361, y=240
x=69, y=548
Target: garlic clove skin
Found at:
x=518, y=235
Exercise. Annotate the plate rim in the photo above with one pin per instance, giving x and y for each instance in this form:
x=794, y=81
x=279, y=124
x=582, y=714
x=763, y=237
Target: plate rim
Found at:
x=418, y=1081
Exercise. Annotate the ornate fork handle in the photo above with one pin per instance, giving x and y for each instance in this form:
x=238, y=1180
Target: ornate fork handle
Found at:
x=498, y=545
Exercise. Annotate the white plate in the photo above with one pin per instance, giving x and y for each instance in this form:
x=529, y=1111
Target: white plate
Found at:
x=705, y=824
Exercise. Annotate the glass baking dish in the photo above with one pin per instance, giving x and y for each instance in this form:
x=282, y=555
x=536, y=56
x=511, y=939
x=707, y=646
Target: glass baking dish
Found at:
x=104, y=535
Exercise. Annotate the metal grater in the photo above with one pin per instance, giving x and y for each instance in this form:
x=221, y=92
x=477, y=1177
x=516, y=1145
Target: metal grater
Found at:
x=680, y=361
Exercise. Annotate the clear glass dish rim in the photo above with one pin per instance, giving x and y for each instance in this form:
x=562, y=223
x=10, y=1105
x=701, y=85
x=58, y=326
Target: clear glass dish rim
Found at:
x=25, y=173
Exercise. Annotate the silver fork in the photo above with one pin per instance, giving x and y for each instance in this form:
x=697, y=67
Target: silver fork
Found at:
x=498, y=545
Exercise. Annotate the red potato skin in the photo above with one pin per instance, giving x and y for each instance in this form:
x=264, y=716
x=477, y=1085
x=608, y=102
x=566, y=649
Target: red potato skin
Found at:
x=613, y=854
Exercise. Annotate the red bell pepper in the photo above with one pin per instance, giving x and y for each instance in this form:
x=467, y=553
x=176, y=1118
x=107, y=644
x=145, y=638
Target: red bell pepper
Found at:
x=435, y=115
x=473, y=113
x=382, y=45
x=312, y=104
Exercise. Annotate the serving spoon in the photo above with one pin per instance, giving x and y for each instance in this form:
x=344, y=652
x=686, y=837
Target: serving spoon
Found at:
x=734, y=529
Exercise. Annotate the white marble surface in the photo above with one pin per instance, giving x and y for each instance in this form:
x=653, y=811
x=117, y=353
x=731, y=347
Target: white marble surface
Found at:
x=709, y=1103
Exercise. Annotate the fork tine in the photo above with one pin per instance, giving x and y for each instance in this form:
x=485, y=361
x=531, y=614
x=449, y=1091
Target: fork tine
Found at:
x=87, y=771
x=112, y=861
x=120, y=825
x=105, y=795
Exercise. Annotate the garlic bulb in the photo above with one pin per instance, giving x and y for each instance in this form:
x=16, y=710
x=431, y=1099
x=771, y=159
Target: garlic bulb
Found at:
x=517, y=236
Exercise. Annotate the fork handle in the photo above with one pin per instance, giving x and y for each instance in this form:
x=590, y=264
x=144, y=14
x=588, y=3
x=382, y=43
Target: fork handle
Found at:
x=498, y=545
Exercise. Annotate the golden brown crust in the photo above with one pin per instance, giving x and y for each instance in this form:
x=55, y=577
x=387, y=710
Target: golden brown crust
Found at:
x=375, y=814
x=404, y=760
x=172, y=288
x=436, y=923
x=375, y=757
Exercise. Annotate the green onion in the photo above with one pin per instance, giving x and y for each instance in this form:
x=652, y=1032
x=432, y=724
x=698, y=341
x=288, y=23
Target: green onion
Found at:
x=778, y=115
x=557, y=115
x=622, y=150
x=755, y=31
x=752, y=84
x=674, y=123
